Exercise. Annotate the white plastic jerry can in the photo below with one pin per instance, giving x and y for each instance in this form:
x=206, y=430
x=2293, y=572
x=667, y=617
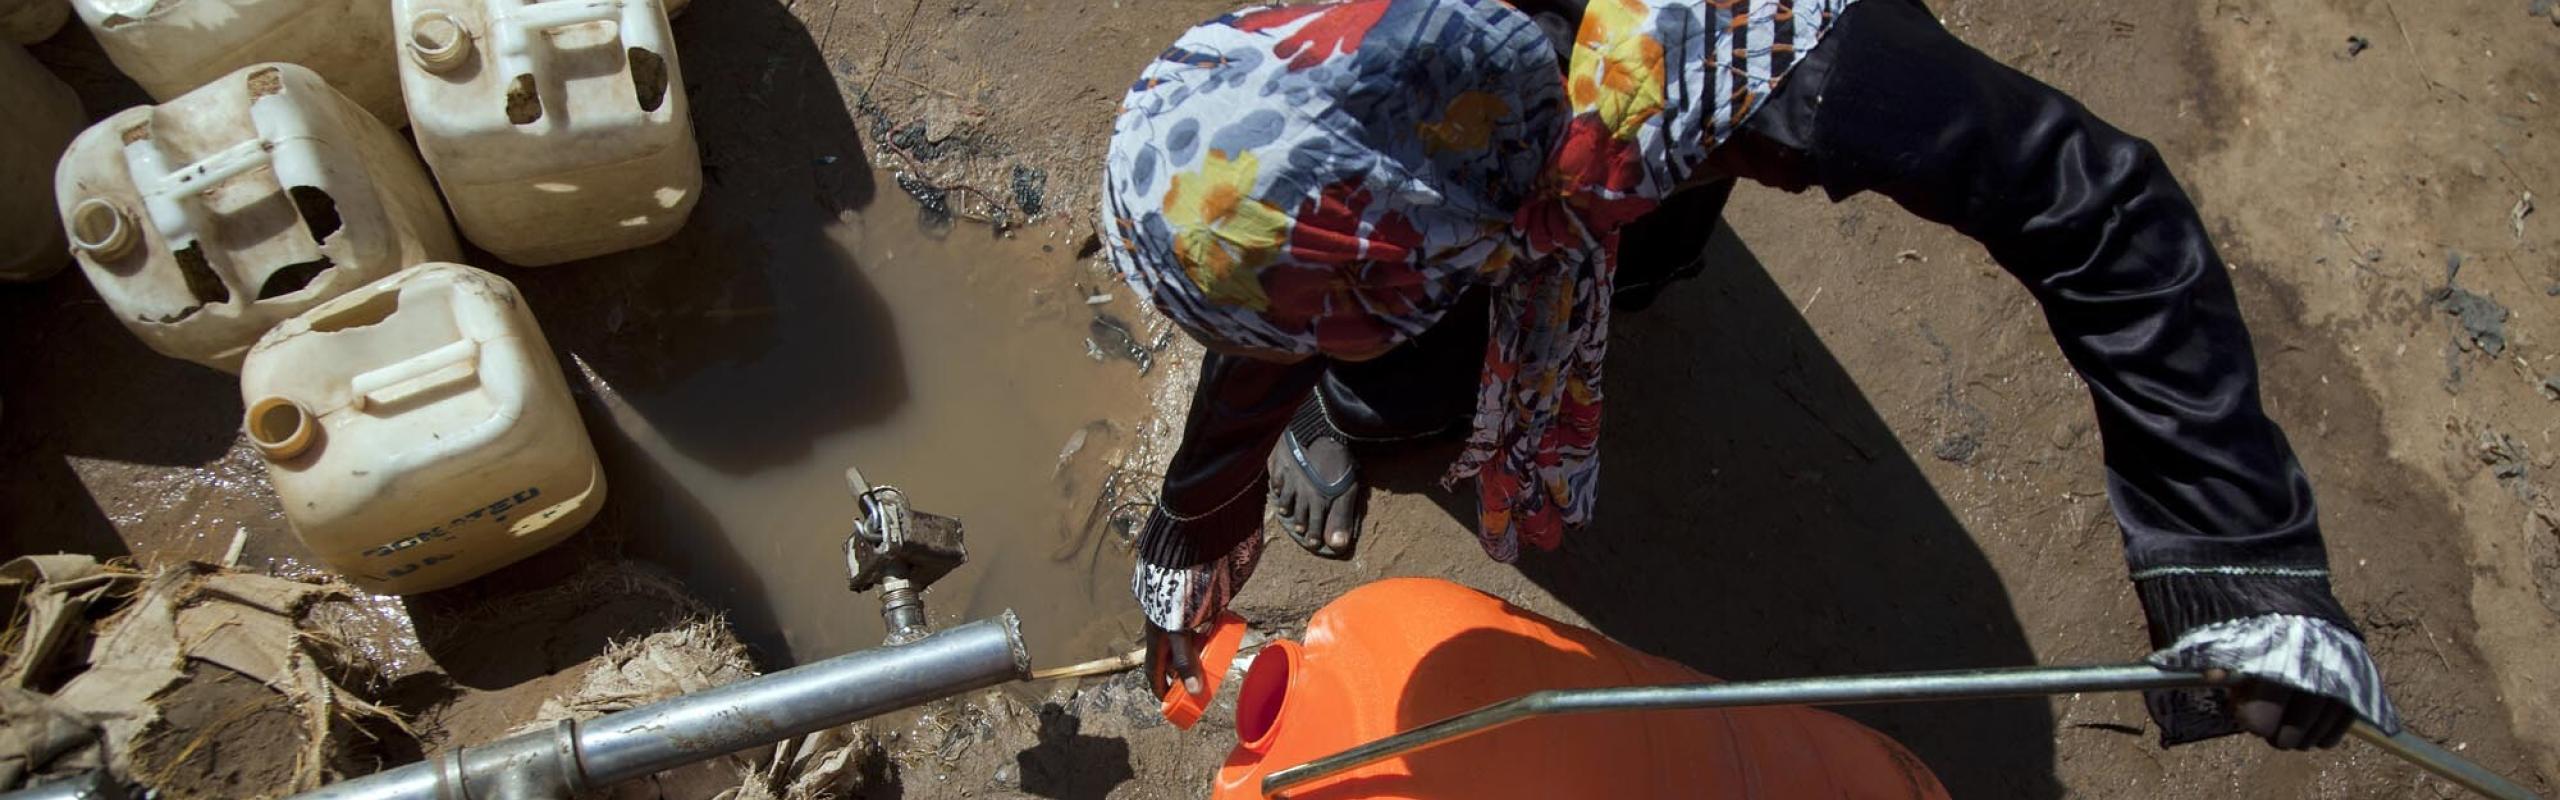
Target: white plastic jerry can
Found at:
x=171, y=47
x=32, y=21
x=208, y=219
x=559, y=130
x=46, y=114
x=419, y=432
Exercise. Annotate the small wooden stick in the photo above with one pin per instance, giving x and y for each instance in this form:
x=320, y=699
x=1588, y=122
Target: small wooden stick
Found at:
x=1100, y=666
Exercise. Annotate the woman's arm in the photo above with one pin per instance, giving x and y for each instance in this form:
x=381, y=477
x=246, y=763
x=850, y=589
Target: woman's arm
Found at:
x=1200, y=543
x=2218, y=517
x=2221, y=534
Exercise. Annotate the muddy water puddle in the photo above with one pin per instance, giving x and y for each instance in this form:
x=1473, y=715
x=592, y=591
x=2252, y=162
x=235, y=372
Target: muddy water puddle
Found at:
x=802, y=322
x=748, y=363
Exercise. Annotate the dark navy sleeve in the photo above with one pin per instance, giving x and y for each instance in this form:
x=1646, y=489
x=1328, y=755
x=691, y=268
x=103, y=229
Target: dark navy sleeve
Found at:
x=1214, y=487
x=2218, y=517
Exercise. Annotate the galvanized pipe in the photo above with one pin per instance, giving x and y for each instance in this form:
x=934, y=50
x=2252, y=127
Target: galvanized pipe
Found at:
x=807, y=699
x=2415, y=750
x=91, y=785
x=1852, y=690
x=576, y=756
x=901, y=610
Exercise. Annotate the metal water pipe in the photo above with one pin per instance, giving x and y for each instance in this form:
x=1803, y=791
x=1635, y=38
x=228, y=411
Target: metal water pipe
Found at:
x=574, y=757
x=1907, y=687
x=893, y=547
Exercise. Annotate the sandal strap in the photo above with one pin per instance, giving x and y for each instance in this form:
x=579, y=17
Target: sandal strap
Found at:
x=1308, y=425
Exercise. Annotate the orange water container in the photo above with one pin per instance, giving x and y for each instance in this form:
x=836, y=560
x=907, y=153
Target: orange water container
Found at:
x=1402, y=653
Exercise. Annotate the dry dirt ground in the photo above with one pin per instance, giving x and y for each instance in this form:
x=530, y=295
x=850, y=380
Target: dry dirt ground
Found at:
x=1849, y=447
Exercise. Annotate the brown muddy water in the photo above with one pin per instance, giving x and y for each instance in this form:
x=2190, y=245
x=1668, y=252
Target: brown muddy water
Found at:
x=804, y=320
x=737, y=371
x=728, y=376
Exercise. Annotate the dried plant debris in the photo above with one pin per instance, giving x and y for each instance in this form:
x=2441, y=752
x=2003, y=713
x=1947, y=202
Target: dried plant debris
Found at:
x=279, y=696
x=2509, y=461
x=2480, y=321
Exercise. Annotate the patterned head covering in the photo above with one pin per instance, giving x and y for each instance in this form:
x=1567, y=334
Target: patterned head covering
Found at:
x=1327, y=179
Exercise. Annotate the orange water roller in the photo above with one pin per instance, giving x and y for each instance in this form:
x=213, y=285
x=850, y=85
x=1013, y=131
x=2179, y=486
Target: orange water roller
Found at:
x=1402, y=653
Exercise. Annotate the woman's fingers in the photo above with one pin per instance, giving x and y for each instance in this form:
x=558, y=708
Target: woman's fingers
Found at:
x=2259, y=708
x=1171, y=650
x=2333, y=725
x=2301, y=711
x=2291, y=719
x=1178, y=650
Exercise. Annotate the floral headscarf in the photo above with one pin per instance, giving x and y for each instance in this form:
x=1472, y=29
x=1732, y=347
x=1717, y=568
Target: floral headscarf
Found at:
x=1328, y=179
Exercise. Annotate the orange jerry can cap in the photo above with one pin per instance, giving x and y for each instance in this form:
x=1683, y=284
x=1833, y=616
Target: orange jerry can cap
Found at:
x=1218, y=647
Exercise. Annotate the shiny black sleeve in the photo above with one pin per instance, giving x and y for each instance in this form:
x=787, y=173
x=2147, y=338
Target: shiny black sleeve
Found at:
x=2218, y=517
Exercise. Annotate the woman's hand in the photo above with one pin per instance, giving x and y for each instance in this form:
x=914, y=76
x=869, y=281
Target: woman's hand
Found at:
x=1173, y=657
x=2288, y=718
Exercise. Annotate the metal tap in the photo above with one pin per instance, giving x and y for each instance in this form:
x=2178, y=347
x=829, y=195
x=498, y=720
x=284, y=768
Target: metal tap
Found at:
x=900, y=550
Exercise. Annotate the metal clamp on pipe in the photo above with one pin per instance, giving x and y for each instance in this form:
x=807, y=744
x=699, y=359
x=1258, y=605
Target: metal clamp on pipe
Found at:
x=893, y=547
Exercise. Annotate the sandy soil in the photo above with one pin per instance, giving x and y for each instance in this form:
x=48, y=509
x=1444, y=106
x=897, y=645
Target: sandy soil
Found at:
x=1850, y=446
x=1854, y=447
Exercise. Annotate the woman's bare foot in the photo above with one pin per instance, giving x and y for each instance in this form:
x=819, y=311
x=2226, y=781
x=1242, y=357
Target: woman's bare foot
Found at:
x=1316, y=488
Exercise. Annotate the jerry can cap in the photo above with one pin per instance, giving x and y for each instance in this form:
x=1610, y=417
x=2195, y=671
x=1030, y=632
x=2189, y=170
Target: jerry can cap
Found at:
x=1218, y=647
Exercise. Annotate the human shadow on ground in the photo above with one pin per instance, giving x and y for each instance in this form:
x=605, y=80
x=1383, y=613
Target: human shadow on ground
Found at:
x=747, y=335
x=1758, y=519
x=750, y=333
x=80, y=385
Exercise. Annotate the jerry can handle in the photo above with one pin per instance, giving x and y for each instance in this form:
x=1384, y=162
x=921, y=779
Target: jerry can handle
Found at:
x=524, y=22
x=170, y=196
x=518, y=27
x=415, y=374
